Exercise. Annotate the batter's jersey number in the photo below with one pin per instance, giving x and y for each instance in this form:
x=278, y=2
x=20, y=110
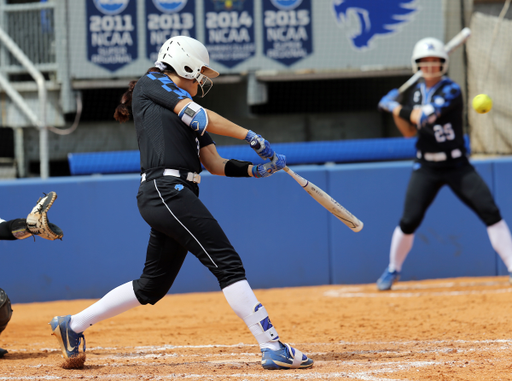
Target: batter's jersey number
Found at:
x=444, y=133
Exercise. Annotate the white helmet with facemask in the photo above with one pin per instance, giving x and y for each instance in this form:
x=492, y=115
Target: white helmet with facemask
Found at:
x=429, y=47
x=190, y=59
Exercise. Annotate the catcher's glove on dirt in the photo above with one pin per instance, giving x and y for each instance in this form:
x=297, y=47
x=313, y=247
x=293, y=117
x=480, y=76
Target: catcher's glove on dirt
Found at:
x=37, y=220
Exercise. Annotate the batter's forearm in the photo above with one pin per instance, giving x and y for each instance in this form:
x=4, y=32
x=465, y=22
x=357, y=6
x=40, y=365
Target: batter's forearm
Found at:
x=404, y=126
x=221, y=126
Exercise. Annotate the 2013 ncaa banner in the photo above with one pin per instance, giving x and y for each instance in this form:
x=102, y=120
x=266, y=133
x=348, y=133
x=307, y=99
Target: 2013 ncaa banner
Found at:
x=166, y=19
x=112, y=33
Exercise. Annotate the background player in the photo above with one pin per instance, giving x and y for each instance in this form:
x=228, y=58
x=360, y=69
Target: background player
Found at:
x=21, y=228
x=173, y=143
x=434, y=111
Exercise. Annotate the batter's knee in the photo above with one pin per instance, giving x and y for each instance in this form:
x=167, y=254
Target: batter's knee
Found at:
x=491, y=218
x=228, y=276
x=409, y=226
x=150, y=291
x=5, y=310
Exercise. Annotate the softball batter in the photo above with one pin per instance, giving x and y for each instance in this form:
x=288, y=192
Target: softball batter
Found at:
x=174, y=142
x=433, y=111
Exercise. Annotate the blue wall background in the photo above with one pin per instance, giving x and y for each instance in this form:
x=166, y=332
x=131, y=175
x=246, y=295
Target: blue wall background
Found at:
x=284, y=237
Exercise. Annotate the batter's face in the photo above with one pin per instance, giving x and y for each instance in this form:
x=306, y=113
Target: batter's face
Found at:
x=431, y=67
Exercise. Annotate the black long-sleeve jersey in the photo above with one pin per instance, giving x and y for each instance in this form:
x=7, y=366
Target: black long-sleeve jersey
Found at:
x=164, y=140
x=442, y=107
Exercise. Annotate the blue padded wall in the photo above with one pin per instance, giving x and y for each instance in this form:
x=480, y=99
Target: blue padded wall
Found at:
x=340, y=151
x=296, y=153
x=283, y=236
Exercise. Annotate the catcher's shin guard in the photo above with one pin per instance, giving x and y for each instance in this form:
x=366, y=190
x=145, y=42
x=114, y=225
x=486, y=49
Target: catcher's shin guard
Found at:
x=5, y=310
x=37, y=220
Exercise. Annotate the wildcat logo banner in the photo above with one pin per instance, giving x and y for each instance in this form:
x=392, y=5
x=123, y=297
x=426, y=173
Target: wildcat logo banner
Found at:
x=373, y=18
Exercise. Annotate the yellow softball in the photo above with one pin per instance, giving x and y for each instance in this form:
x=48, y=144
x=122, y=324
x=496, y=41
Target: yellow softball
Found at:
x=482, y=103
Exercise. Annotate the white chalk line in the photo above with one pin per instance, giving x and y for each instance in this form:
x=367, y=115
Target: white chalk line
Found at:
x=391, y=294
x=367, y=375
x=410, y=286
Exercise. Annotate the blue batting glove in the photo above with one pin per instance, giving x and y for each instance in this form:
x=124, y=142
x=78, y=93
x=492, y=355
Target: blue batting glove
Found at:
x=388, y=101
x=260, y=145
x=428, y=115
x=268, y=169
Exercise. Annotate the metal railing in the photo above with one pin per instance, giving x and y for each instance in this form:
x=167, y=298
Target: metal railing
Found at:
x=28, y=35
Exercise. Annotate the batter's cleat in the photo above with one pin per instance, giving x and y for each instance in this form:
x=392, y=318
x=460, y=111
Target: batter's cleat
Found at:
x=285, y=358
x=387, y=280
x=68, y=339
x=2, y=352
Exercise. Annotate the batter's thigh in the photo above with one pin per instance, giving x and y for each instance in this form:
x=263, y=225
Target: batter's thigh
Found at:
x=472, y=190
x=164, y=258
x=176, y=211
x=423, y=187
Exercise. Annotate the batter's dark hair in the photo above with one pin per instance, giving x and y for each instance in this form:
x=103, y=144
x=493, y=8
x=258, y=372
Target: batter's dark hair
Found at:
x=124, y=109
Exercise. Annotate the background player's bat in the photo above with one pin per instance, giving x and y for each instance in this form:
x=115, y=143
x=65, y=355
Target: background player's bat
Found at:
x=327, y=202
x=454, y=43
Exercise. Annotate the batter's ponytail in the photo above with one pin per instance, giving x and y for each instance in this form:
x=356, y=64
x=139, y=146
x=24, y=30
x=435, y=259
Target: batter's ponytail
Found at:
x=123, y=110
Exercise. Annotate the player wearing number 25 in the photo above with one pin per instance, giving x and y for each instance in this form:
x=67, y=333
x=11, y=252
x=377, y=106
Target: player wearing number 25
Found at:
x=173, y=137
x=432, y=110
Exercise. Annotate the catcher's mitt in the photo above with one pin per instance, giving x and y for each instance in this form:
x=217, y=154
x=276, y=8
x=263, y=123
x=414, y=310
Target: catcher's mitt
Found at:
x=37, y=220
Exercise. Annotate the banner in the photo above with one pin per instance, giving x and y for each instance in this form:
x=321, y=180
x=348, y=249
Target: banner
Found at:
x=111, y=33
x=166, y=19
x=229, y=30
x=287, y=30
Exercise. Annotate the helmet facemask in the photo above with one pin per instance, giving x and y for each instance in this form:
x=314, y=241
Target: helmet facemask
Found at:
x=428, y=73
x=204, y=82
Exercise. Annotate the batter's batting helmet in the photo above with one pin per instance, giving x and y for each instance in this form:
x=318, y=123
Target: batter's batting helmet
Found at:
x=429, y=47
x=189, y=58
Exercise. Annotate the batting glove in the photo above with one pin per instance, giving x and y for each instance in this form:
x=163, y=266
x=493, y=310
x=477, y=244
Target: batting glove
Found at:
x=428, y=115
x=388, y=101
x=268, y=169
x=260, y=145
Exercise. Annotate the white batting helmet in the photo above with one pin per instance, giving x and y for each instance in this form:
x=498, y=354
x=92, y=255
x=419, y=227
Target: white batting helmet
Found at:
x=429, y=47
x=189, y=58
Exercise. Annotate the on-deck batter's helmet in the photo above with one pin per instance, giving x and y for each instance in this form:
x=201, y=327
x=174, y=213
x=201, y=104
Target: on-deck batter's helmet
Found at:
x=190, y=59
x=5, y=310
x=429, y=47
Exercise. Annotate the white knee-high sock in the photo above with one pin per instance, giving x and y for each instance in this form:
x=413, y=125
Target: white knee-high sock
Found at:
x=401, y=244
x=242, y=300
x=118, y=300
x=501, y=241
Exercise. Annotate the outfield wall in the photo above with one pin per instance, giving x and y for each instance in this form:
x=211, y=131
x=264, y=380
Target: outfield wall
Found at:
x=284, y=237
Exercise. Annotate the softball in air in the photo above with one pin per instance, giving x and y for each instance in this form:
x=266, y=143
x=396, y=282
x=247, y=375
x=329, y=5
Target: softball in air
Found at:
x=482, y=103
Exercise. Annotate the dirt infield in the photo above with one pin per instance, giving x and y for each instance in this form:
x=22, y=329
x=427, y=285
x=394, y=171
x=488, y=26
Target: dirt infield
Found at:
x=446, y=329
